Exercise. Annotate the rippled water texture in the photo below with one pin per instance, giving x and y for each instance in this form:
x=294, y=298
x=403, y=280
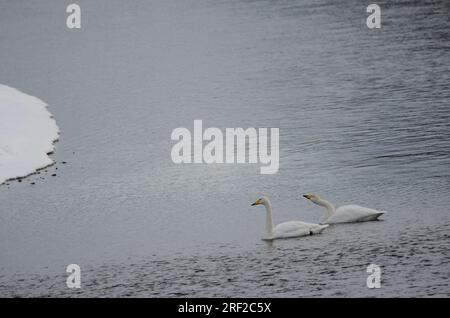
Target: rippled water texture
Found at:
x=363, y=118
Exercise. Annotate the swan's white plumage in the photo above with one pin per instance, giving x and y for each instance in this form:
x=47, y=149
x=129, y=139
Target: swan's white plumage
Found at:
x=353, y=213
x=287, y=229
x=344, y=214
x=296, y=229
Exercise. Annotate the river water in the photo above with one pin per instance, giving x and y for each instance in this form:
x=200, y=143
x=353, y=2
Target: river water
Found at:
x=363, y=117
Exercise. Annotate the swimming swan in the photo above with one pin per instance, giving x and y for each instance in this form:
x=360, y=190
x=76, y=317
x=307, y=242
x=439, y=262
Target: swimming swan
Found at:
x=346, y=213
x=287, y=229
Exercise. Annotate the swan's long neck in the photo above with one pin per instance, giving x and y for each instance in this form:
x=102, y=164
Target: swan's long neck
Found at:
x=269, y=220
x=327, y=205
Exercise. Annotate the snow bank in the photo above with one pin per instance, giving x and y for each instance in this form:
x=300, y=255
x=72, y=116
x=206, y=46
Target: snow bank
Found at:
x=27, y=134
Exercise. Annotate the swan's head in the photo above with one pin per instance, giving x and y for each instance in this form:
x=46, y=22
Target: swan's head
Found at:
x=261, y=201
x=312, y=197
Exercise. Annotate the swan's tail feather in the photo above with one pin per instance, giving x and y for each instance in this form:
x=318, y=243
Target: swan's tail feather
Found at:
x=377, y=215
x=320, y=228
x=382, y=212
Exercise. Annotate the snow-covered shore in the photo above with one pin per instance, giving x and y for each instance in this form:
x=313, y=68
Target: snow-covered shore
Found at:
x=27, y=134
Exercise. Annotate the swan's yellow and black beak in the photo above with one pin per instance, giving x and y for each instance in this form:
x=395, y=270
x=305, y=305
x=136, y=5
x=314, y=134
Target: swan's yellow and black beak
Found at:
x=307, y=196
x=257, y=202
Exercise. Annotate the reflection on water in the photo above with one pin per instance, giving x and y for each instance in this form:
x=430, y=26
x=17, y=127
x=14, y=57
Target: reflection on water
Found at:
x=333, y=267
x=363, y=115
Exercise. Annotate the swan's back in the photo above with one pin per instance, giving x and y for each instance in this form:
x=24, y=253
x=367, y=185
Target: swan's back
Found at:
x=297, y=229
x=354, y=213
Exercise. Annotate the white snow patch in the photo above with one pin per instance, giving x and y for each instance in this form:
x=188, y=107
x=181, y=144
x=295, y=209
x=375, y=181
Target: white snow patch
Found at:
x=27, y=134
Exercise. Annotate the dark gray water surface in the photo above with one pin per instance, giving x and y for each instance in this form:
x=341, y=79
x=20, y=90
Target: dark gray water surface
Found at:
x=364, y=118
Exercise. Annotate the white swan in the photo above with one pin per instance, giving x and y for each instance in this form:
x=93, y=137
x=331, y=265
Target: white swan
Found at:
x=287, y=229
x=346, y=213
